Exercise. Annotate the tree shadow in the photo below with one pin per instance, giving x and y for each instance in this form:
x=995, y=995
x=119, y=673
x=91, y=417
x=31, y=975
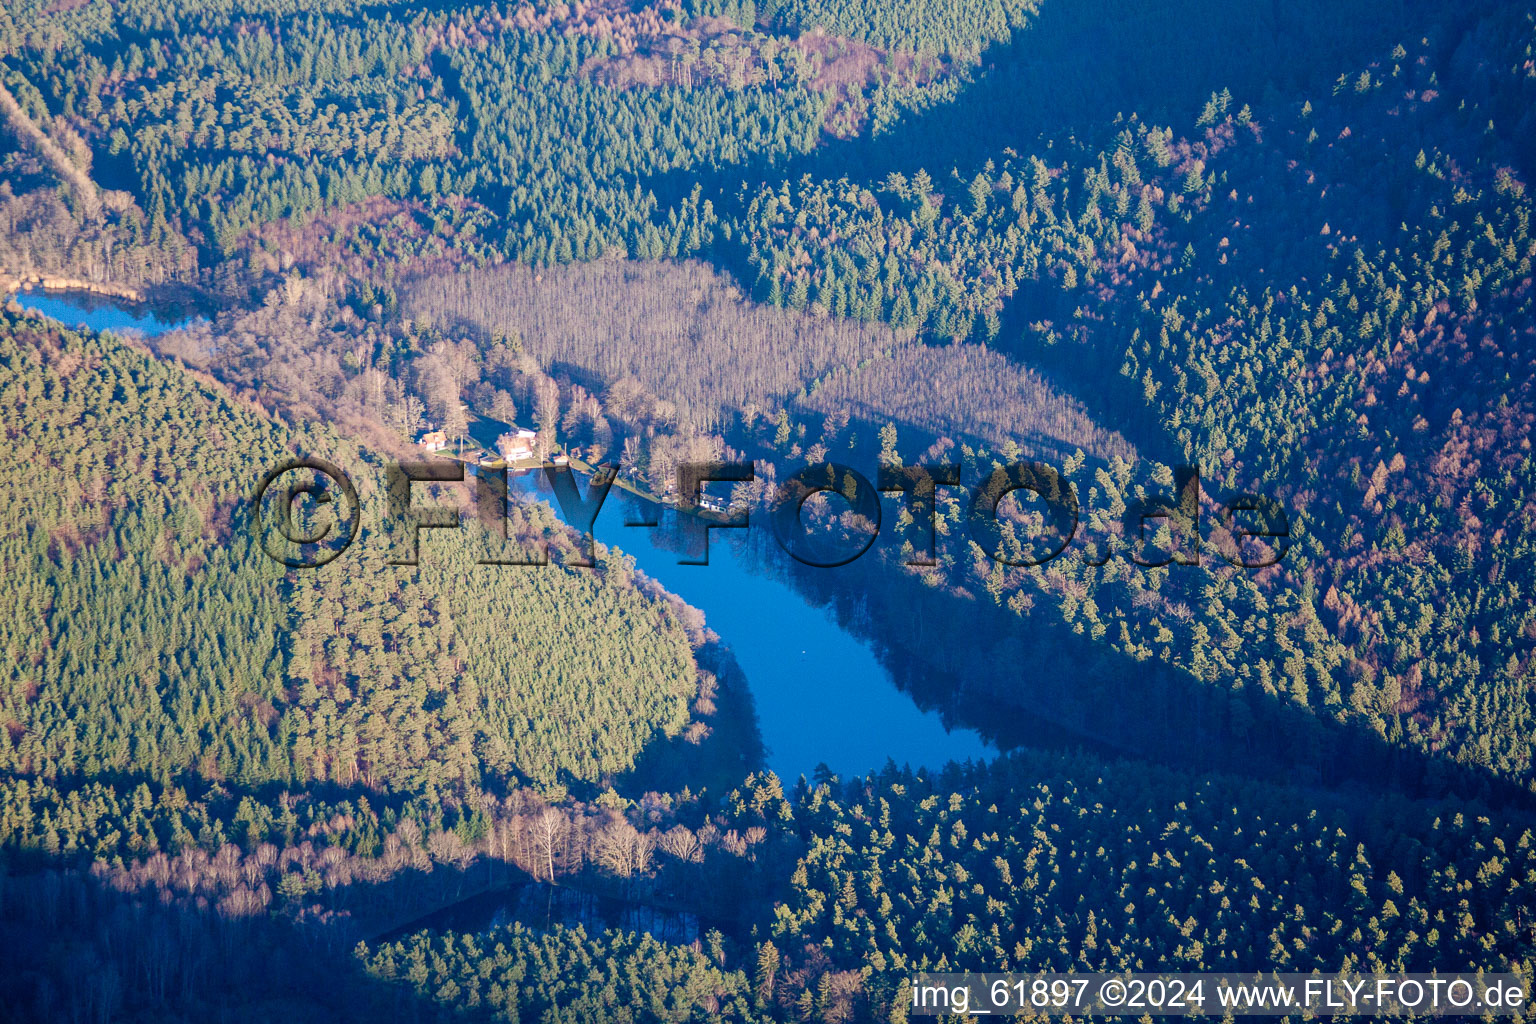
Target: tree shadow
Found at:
x=1032, y=681
x=1080, y=68
x=731, y=750
x=188, y=938
x=78, y=949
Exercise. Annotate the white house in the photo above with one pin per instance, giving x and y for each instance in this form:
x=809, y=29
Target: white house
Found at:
x=519, y=449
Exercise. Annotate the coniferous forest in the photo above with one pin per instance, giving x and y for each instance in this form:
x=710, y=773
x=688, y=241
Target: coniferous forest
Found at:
x=1289, y=245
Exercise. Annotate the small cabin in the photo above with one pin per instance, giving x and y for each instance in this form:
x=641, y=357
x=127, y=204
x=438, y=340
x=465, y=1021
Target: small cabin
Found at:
x=433, y=441
x=561, y=460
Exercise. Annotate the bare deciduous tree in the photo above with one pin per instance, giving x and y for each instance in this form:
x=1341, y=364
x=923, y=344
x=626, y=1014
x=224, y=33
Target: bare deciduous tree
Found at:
x=547, y=830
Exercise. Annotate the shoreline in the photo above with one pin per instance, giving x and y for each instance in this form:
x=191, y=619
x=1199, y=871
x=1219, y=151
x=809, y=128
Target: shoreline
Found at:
x=13, y=284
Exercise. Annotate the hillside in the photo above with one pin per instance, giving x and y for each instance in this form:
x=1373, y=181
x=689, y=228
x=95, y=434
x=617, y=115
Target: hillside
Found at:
x=1289, y=245
x=152, y=639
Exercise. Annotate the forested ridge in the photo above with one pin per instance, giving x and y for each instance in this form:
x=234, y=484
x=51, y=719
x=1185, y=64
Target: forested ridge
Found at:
x=1291, y=245
x=1036, y=862
x=151, y=638
x=1044, y=863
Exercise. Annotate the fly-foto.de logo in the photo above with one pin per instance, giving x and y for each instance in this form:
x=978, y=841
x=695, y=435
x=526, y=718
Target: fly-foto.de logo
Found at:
x=307, y=512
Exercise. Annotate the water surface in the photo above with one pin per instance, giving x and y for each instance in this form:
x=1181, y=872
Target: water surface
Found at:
x=822, y=694
x=99, y=312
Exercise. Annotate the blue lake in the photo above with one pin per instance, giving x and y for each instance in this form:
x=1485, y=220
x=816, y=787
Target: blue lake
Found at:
x=822, y=694
x=76, y=309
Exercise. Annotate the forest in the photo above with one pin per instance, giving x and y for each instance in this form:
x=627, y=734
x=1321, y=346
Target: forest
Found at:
x=1289, y=245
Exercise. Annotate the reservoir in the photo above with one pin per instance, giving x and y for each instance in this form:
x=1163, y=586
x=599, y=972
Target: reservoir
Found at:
x=823, y=695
